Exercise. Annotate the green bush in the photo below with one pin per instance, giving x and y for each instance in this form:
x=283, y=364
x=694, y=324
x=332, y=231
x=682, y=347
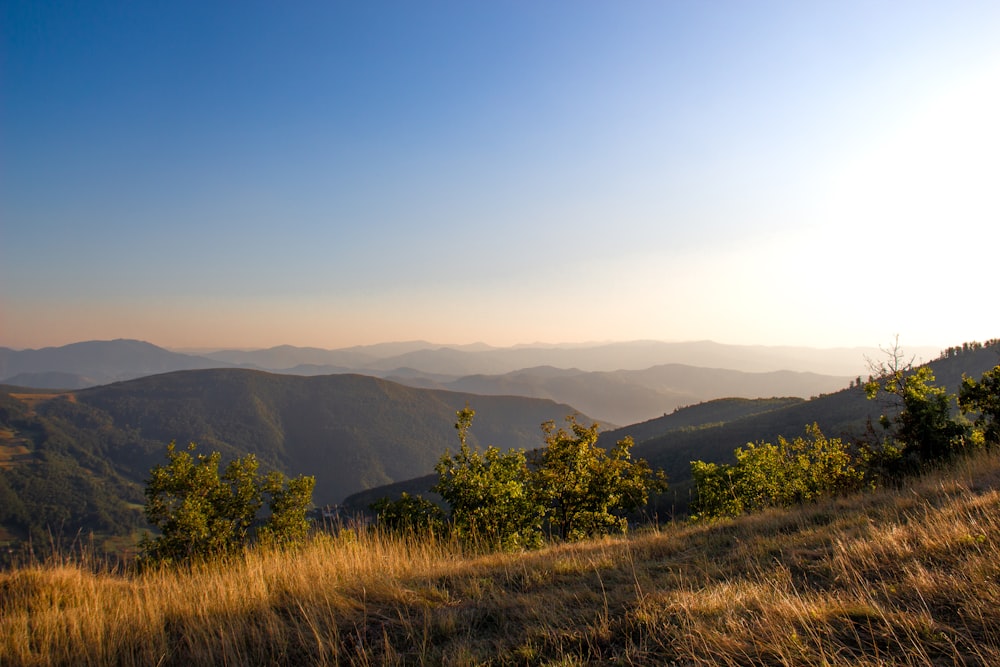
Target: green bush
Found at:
x=201, y=514
x=409, y=514
x=782, y=475
x=584, y=488
x=983, y=398
x=492, y=503
x=575, y=487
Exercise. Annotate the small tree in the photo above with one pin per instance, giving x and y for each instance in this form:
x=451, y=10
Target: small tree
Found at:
x=289, y=501
x=201, y=514
x=922, y=422
x=983, y=398
x=491, y=502
x=585, y=488
x=716, y=491
x=581, y=489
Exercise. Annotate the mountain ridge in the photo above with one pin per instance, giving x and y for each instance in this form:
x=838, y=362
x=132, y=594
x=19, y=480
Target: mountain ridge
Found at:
x=620, y=388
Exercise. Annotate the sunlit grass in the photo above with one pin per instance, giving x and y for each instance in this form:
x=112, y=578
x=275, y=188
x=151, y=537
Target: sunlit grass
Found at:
x=910, y=577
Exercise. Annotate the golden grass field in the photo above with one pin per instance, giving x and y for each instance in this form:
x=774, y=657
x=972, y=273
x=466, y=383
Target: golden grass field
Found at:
x=910, y=577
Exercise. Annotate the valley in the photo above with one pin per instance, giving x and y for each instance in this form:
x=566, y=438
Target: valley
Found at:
x=77, y=460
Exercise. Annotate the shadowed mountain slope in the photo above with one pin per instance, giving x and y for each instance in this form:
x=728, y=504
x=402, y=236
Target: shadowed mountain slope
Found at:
x=352, y=432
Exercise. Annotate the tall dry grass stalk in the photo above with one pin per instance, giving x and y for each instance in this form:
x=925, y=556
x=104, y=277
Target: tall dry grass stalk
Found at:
x=910, y=577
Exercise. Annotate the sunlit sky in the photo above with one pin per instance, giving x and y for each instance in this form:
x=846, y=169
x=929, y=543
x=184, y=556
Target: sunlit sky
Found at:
x=247, y=174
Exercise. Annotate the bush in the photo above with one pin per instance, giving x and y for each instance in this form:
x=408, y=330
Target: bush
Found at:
x=782, y=475
x=201, y=514
x=581, y=490
x=491, y=501
x=409, y=514
x=584, y=488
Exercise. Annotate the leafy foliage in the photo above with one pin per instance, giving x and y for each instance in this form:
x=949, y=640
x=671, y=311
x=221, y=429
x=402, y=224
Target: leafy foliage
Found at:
x=782, y=475
x=922, y=431
x=585, y=488
x=924, y=428
x=409, y=514
x=490, y=498
x=983, y=397
x=201, y=514
x=580, y=489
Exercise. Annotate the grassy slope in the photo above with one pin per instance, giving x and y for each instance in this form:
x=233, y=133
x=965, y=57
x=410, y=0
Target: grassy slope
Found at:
x=904, y=578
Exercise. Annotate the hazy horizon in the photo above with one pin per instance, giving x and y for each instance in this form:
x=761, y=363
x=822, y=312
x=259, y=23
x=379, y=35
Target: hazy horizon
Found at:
x=202, y=175
x=430, y=344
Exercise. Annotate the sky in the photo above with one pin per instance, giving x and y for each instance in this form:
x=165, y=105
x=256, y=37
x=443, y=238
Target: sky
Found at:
x=328, y=174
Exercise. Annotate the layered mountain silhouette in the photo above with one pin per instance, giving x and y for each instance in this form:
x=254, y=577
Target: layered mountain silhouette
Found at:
x=630, y=396
x=91, y=363
x=618, y=383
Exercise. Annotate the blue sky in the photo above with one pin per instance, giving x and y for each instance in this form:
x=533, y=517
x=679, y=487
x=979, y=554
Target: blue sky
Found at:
x=330, y=173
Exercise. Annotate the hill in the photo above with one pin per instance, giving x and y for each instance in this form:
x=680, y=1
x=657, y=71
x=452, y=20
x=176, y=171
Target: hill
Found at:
x=78, y=460
x=618, y=383
x=902, y=578
x=350, y=431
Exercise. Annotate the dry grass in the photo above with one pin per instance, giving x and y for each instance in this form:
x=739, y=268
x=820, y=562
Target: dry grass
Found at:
x=13, y=449
x=904, y=578
x=33, y=399
x=12, y=454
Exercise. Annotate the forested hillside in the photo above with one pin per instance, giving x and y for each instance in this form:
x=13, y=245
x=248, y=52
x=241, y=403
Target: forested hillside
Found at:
x=77, y=461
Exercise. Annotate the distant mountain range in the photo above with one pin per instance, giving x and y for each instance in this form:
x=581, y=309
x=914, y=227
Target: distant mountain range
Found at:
x=630, y=396
x=619, y=383
x=480, y=359
x=92, y=363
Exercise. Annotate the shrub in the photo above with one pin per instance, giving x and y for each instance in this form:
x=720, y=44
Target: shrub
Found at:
x=201, y=514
